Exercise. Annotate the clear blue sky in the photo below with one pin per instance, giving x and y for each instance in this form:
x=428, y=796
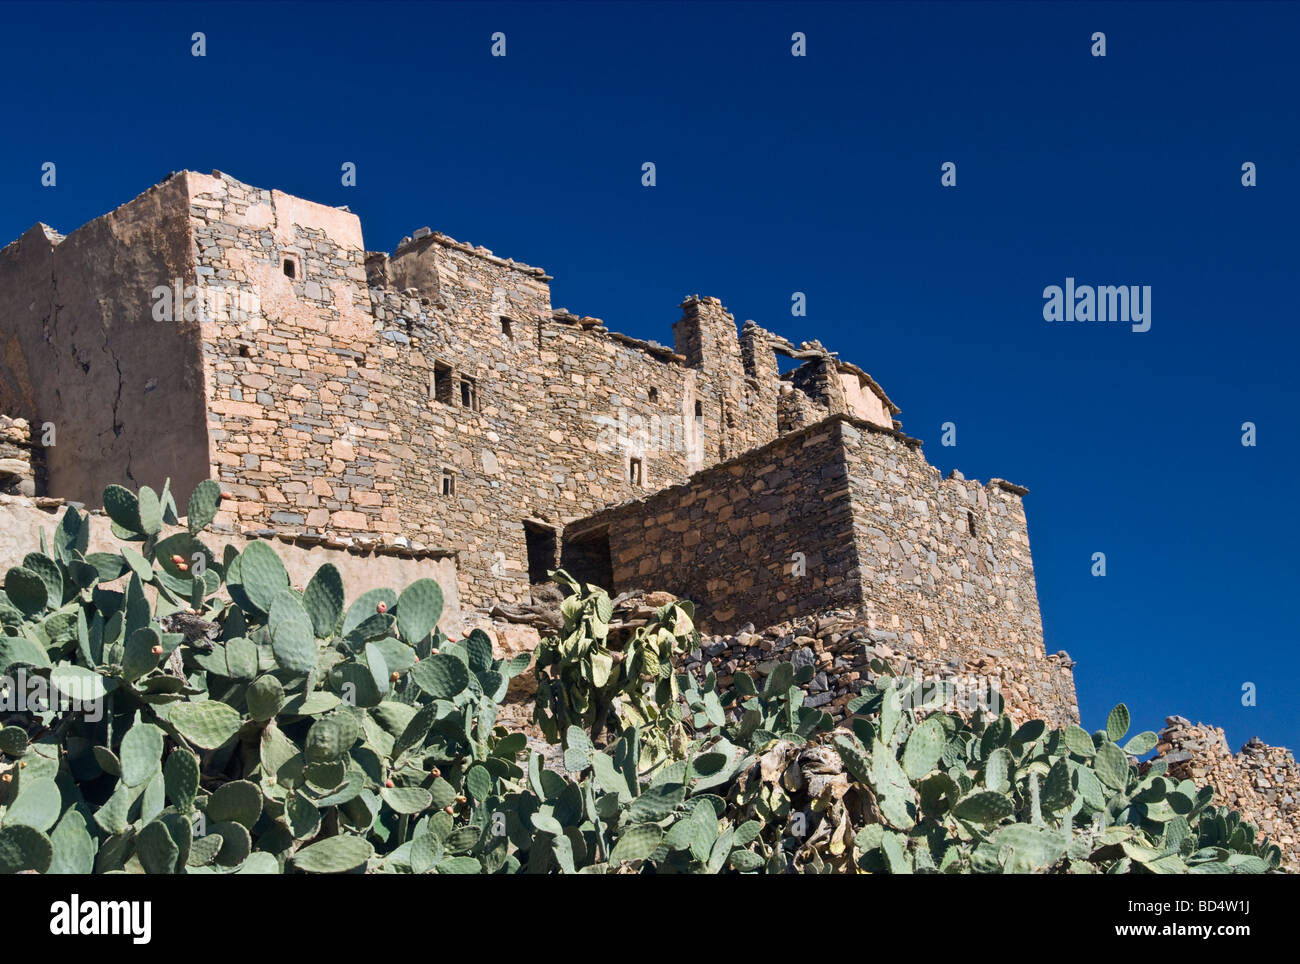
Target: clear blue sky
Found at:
x=822, y=175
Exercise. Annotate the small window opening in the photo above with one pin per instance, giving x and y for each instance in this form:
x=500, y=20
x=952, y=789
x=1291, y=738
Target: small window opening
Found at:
x=506, y=328
x=970, y=522
x=468, y=393
x=654, y=394
x=634, y=471
x=290, y=267
x=441, y=389
x=785, y=364
x=448, y=482
x=699, y=409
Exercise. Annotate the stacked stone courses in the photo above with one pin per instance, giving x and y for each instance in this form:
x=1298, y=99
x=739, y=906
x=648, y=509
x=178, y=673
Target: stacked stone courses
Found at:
x=430, y=412
x=434, y=398
x=18, y=458
x=842, y=513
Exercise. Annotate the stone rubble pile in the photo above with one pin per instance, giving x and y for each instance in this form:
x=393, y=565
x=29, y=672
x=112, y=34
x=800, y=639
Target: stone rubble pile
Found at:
x=1261, y=781
x=16, y=475
x=840, y=645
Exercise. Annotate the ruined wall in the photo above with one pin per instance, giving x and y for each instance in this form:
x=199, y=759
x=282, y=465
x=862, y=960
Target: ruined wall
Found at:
x=728, y=538
x=81, y=349
x=737, y=379
x=559, y=410
x=795, y=409
x=1261, y=781
x=435, y=396
x=942, y=564
x=841, y=644
x=945, y=562
x=19, y=462
x=821, y=383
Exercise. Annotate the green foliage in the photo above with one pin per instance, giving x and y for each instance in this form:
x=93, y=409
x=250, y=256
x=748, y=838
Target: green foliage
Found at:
x=234, y=724
x=582, y=680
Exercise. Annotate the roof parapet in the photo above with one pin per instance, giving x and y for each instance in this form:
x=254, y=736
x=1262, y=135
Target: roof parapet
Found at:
x=425, y=236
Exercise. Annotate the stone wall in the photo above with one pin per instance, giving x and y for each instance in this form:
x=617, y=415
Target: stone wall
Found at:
x=843, y=512
x=559, y=409
x=1261, y=781
x=763, y=537
x=943, y=562
x=737, y=380
x=435, y=397
x=841, y=644
x=287, y=381
x=18, y=461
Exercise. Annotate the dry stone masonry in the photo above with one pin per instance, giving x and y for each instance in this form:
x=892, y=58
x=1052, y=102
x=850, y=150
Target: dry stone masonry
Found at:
x=1261, y=781
x=842, y=644
x=431, y=397
x=17, y=475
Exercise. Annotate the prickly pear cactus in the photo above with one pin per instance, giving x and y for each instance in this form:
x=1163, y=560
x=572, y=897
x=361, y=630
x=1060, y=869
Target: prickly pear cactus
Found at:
x=166, y=711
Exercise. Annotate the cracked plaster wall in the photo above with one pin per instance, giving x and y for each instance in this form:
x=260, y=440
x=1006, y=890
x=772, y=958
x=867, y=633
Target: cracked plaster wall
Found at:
x=79, y=348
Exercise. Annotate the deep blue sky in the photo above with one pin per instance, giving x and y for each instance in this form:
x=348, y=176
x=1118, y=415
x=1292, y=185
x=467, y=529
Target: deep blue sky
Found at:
x=821, y=174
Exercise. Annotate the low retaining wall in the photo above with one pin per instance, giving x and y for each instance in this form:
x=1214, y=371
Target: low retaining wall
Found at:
x=363, y=568
x=840, y=645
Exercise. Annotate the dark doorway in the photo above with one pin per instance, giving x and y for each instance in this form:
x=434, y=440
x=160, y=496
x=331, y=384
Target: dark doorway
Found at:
x=586, y=558
x=542, y=551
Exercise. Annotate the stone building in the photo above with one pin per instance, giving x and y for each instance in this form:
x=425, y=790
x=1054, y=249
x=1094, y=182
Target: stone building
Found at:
x=429, y=413
x=434, y=399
